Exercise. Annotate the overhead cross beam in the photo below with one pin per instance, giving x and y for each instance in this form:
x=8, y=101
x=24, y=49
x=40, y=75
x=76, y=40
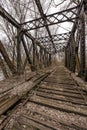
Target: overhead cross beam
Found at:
x=58, y=50
x=57, y=37
x=59, y=46
x=60, y=41
x=68, y=15
x=56, y=44
x=45, y=20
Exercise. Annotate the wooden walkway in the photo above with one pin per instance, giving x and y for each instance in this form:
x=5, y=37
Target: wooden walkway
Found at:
x=52, y=100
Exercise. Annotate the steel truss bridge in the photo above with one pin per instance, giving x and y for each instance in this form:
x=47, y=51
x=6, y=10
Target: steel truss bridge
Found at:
x=71, y=43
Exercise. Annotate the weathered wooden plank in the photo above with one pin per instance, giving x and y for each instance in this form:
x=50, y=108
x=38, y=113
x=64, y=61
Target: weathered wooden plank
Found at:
x=48, y=126
x=7, y=104
x=58, y=106
x=19, y=91
x=61, y=89
x=56, y=85
x=78, y=96
x=61, y=98
x=27, y=120
x=59, y=121
x=60, y=81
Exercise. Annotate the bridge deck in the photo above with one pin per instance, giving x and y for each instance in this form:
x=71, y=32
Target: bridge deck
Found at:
x=55, y=102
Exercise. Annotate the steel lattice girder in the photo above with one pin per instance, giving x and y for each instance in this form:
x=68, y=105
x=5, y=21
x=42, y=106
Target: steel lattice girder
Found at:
x=61, y=44
x=68, y=15
x=60, y=40
x=57, y=37
x=58, y=50
x=58, y=45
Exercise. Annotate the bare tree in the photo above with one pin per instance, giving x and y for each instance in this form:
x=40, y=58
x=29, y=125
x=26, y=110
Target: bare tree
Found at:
x=19, y=10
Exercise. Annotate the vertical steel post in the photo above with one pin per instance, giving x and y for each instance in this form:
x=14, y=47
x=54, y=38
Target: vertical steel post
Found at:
x=73, y=63
x=41, y=57
x=45, y=59
x=19, y=61
x=50, y=59
x=41, y=51
x=34, y=53
x=82, y=46
x=65, y=57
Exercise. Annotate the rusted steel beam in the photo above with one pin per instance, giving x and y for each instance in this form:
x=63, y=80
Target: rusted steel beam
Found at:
x=72, y=48
x=34, y=54
x=36, y=41
x=82, y=47
x=11, y=20
x=3, y=67
x=57, y=37
x=26, y=50
x=8, y=17
x=53, y=19
x=45, y=21
x=6, y=58
x=19, y=60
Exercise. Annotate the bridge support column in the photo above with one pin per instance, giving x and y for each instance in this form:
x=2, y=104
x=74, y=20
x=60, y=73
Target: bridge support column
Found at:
x=34, y=53
x=82, y=47
x=68, y=57
x=65, y=57
x=41, y=57
x=19, y=61
x=50, y=59
x=47, y=59
x=73, y=61
x=34, y=57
